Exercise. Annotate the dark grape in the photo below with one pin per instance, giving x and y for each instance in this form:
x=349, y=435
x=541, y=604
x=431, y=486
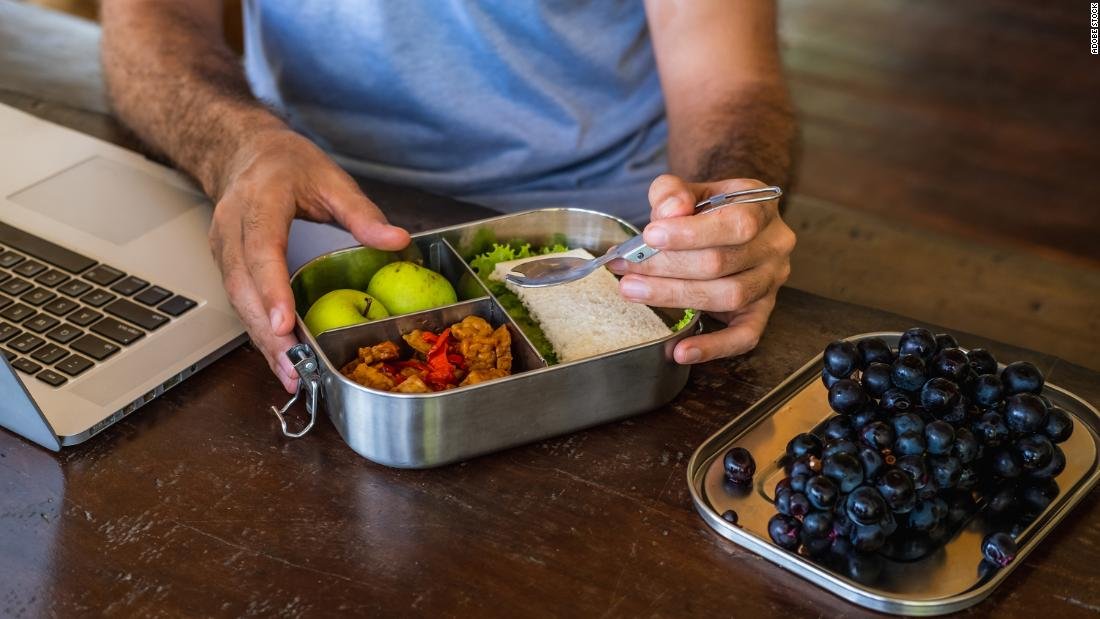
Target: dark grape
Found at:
x=730, y=516
x=946, y=341
x=1022, y=377
x=917, y=341
x=843, y=469
x=877, y=434
x=938, y=394
x=968, y=478
x=965, y=446
x=863, y=567
x=784, y=531
x=876, y=379
x=871, y=460
x=914, y=467
x=817, y=524
x=1058, y=426
x=939, y=437
x=987, y=390
x=846, y=396
x=1024, y=413
x=814, y=546
x=908, y=422
x=874, y=350
x=1005, y=463
x=841, y=446
x=837, y=427
x=908, y=373
x=1003, y=502
x=950, y=363
x=1038, y=495
x=1035, y=451
x=806, y=465
x=896, y=400
x=958, y=413
x=946, y=471
x=982, y=361
x=867, y=538
x=865, y=416
x=909, y=444
x=990, y=430
x=739, y=465
x=828, y=379
x=999, y=549
x=822, y=492
x=792, y=503
x=841, y=358
x=798, y=482
x=896, y=488
x=1053, y=468
x=804, y=443
x=923, y=516
x=866, y=506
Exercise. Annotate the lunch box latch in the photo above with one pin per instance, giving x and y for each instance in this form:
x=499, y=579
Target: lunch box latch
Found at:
x=309, y=380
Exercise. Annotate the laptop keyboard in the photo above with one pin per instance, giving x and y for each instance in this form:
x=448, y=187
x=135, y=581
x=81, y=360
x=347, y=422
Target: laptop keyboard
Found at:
x=61, y=313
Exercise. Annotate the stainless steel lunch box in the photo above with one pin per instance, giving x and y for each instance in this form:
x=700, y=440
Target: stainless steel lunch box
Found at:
x=537, y=401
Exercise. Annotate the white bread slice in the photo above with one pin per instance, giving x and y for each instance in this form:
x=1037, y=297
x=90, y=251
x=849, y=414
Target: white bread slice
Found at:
x=586, y=317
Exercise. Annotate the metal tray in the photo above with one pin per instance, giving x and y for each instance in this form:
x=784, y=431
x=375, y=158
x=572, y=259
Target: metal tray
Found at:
x=537, y=401
x=945, y=581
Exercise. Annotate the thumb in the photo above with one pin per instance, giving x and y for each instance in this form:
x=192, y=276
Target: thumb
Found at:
x=670, y=196
x=364, y=220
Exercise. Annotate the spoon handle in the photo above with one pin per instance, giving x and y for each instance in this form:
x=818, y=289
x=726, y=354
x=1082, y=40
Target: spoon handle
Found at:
x=635, y=249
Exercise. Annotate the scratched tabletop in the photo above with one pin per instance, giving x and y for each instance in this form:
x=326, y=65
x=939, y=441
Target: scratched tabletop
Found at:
x=197, y=506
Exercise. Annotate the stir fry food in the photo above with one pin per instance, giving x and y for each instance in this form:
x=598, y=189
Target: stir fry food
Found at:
x=466, y=353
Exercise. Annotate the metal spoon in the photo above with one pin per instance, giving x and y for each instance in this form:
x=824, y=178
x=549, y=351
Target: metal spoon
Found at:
x=551, y=271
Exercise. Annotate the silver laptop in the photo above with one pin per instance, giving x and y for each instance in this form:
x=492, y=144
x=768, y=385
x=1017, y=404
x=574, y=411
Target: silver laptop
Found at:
x=108, y=293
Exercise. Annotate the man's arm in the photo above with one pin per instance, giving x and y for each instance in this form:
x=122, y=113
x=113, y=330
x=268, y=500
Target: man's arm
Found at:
x=730, y=128
x=729, y=111
x=172, y=79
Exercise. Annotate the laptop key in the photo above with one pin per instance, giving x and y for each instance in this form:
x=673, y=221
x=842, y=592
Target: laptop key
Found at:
x=152, y=296
x=18, y=312
x=9, y=259
x=4, y=301
x=52, y=278
x=29, y=268
x=49, y=353
x=16, y=286
x=51, y=378
x=7, y=331
x=104, y=275
x=74, y=364
x=94, y=347
x=75, y=287
x=84, y=317
x=25, y=343
x=132, y=312
x=129, y=286
x=4, y=276
x=177, y=305
x=64, y=334
x=24, y=364
x=40, y=323
x=43, y=249
x=98, y=298
x=9, y=355
x=38, y=296
x=120, y=332
x=60, y=306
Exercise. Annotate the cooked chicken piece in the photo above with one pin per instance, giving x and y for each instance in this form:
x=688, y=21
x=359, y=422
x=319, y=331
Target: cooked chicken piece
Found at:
x=481, y=347
x=369, y=376
x=412, y=384
x=478, y=376
x=379, y=352
x=417, y=342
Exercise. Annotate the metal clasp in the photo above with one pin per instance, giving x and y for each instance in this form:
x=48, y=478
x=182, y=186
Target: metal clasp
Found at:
x=309, y=380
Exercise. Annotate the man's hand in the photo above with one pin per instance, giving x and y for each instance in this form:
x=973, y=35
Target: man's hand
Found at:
x=274, y=177
x=730, y=263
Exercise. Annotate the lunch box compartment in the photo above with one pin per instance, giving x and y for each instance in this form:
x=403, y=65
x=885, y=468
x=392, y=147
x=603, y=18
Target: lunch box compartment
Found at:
x=534, y=403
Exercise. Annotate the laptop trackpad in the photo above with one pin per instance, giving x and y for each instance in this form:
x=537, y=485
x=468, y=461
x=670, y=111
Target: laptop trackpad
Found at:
x=111, y=200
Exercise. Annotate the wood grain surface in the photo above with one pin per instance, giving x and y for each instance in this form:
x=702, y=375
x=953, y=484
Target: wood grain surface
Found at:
x=196, y=506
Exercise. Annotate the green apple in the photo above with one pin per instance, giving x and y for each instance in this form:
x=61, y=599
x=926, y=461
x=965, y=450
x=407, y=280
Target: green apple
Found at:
x=341, y=308
x=405, y=287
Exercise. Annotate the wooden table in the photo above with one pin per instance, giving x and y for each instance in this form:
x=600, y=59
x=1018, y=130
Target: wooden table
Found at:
x=196, y=506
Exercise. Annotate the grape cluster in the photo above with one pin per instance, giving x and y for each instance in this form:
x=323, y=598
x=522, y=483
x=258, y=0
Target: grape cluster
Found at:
x=923, y=437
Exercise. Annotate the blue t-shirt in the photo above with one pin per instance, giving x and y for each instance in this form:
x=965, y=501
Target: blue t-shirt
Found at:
x=514, y=104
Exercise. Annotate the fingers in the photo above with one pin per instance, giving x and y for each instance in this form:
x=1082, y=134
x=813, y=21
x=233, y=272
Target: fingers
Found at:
x=717, y=295
x=703, y=264
x=227, y=244
x=741, y=336
x=362, y=217
x=730, y=225
x=670, y=196
x=264, y=233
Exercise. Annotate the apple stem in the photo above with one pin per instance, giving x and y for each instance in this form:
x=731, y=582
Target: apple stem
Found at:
x=366, y=308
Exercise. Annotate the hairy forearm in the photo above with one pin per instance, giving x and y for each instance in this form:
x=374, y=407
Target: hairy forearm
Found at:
x=174, y=82
x=747, y=134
